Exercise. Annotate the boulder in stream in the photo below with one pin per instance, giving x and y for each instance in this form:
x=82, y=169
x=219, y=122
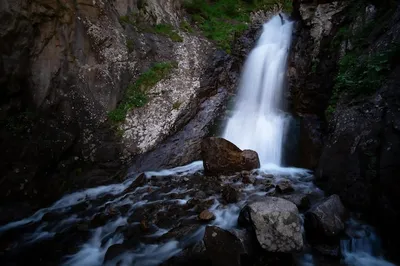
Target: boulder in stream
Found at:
x=284, y=186
x=206, y=216
x=276, y=223
x=229, y=248
x=230, y=194
x=326, y=218
x=223, y=157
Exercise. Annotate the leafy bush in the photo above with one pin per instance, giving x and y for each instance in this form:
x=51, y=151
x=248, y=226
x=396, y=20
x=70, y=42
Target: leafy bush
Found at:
x=135, y=94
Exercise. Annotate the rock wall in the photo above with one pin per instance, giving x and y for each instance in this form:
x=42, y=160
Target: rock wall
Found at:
x=353, y=147
x=65, y=64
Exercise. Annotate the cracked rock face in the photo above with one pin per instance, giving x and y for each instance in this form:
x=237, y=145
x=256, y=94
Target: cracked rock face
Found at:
x=277, y=224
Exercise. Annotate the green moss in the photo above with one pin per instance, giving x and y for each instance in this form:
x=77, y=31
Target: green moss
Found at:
x=130, y=45
x=176, y=105
x=135, y=95
x=185, y=26
x=222, y=20
x=166, y=30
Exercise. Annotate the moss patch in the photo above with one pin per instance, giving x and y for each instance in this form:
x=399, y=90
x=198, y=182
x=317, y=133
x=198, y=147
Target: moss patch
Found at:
x=221, y=20
x=136, y=93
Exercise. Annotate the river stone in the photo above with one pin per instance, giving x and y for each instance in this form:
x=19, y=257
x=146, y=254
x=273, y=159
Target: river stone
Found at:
x=206, y=216
x=223, y=157
x=326, y=218
x=228, y=248
x=300, y=200
x=284, y=186
x=276, y=223
x=230, y=194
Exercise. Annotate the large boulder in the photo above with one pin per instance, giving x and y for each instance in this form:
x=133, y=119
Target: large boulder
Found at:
x=326, y=219
x=276, y=223
x=223, y=157
x=229, y=248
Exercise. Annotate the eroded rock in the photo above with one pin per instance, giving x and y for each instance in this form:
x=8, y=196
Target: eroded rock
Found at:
x=284, y=186
x=206, y=216
x=223, y=157
x=276, y=223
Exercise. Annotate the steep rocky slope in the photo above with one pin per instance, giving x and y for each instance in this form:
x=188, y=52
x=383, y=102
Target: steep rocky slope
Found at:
x=65, y=65
x=344, y=81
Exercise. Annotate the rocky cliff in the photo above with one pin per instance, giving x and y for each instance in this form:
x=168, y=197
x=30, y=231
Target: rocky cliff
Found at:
x=344, y=81
x=87, y=86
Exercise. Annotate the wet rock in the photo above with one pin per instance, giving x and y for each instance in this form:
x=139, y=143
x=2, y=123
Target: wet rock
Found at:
x=114, y=251
x=223, y=157
x=328, y=250
x=326, y=218
x=206, y=216
x=247, y=177
x=300, y=200
x=230, y=194
x=276, y=223
x=228, y=248
x=284, y=186
x=193, y=255
x=181, y=231
x=144, y=225
x=138, y=182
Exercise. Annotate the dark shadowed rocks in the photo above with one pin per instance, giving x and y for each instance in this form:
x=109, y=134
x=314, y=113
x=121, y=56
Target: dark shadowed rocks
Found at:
x=229, y=248
x=326, y=219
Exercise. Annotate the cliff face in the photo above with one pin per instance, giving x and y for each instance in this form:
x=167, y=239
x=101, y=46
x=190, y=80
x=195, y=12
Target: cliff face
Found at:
x=64, y=65
x=345, y=87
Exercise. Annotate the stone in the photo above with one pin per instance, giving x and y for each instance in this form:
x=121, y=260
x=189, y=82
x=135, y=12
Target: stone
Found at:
x=276, y=223
x=223, y=157
x=194, y=255
x=247, y=177
x=284, y=186
x=139, y=181
x=228, y=248
x=114, y=251
x=206, y=216
x=180, y=231
x=230, y=194
x=326, y=218
x=300, y=200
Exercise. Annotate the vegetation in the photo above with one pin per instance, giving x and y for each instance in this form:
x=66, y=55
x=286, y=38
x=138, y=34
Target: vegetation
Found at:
x=361, y=72
x=185, y=26
x=130, y=45
x=135, y=95
x=166, y=30
x=222, y=20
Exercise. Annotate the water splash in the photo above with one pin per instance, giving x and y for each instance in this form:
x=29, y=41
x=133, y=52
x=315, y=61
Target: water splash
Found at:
x=257, y=122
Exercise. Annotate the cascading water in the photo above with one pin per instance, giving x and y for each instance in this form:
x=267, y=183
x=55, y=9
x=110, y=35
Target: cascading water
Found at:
x=257, y=122
x=145, y=220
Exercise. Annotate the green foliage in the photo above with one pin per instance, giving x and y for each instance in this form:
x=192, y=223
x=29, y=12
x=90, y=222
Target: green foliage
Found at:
x=130, y=45
x=185, y=26
x=135, y=95
x=126, y=20
x=222, y=20
x=165, y=30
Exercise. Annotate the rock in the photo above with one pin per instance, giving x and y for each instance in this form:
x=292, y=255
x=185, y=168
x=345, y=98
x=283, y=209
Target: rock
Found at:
x=206, y=216
x=230, y=194
x=228, y=248
x=284, y=186
x=194, y=255
x=328, y=250
x=326, y=219
x=276, y=223
x=223, y=157
x=300, y=200
x=247, y=178
x=138, y=182
x=180, y=232
x=114, y=251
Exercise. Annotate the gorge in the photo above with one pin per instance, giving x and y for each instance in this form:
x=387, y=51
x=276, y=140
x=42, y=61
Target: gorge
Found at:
x=105, y=106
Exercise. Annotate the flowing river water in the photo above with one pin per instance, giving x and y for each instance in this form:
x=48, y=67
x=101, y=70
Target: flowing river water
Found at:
x=151, y=217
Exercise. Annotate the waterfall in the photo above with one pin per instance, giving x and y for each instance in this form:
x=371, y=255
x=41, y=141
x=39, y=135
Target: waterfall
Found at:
x=257, y=122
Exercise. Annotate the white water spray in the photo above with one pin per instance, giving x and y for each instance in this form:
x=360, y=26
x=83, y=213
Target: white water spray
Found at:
x=257, y=122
